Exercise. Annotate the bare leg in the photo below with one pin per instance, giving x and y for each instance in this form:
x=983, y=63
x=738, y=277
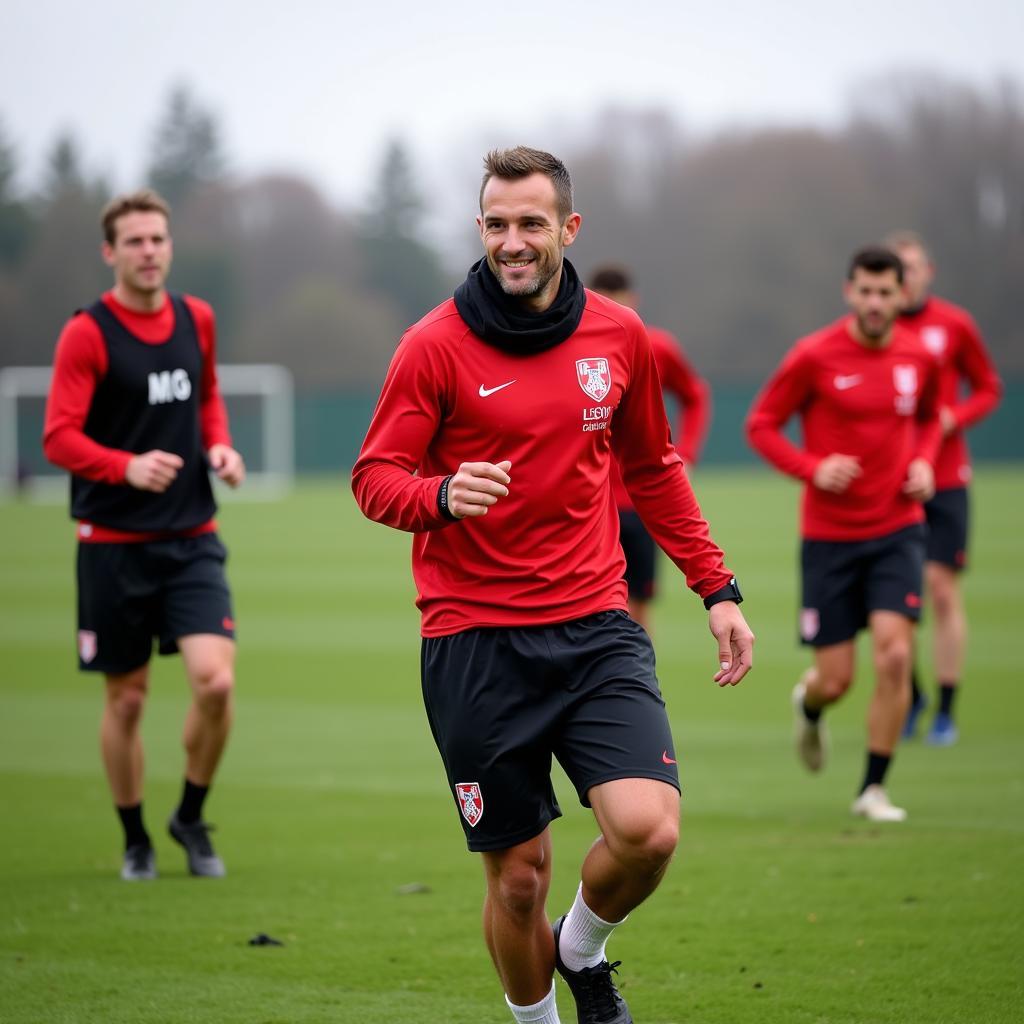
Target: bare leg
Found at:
x=950, y=633
x=210, y=666
x=515, y=923
x=892, y=636
x=120, y=738
x=831, y=675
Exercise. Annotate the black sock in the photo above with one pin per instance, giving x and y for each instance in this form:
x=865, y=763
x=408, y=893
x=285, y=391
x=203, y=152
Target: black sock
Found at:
x=191, y=807
x=135, y=833
x=812, y=714
x=915, y=688
x=947, y=691
x=878, y=765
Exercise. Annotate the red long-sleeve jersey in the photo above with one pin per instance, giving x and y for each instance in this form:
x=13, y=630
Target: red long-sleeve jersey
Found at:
x=549, y=551
x=952, y=336
x=693, y=396
x=877, y=404
x=80, y=363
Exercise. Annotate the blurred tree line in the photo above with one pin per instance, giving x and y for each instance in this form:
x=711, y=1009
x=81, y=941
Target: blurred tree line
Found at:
x=738, y=242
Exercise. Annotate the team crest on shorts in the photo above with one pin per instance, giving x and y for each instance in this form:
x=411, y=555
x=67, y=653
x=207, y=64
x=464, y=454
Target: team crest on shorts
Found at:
x=471, y=801
x=809, y=623
x=594, y=377
x=87, y=645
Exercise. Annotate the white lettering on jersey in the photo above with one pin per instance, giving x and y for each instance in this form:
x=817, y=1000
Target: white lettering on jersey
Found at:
x=597, y=417
x=169, y=386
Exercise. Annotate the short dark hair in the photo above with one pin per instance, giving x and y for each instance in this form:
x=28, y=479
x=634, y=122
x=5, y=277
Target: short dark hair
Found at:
x=875, y=259
x=611, y=278
x=521, y=162
x=145, y=200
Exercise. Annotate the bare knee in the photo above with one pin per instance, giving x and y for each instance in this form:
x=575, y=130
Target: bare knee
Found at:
x=213, y=687
x=893, y=658
x=126, y=697
x=646, y=845
x=833, y=685
x=942, y=590
x=519, y=882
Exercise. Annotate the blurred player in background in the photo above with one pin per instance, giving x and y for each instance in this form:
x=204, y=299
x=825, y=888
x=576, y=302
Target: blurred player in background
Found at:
x=136, y=416
x=969, y=389
x=492, y=443
x=866, y=393
x=693, y=398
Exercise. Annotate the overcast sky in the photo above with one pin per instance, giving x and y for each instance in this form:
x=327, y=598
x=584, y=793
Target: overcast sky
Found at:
x=317, y=86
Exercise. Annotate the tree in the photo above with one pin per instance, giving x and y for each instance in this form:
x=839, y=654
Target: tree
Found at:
x=399, y=264
x=186, y=150
x=15, y=218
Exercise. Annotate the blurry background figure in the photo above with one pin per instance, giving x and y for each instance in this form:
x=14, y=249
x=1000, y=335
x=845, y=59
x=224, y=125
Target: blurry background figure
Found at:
x=969, y=390
x=693, y=398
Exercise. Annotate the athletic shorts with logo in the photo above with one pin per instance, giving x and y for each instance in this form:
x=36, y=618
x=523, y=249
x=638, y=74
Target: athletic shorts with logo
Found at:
x=844, y=581
x=130, y=593
x=641, y=555
x=502, y=701
x=948, y=516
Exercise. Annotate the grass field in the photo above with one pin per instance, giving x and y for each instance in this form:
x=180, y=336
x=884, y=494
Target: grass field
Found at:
x=779, y=908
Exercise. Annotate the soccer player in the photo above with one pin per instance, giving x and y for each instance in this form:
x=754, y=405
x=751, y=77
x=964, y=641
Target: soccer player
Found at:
x=865, y=391
x=969, y=389
x=136, y=417
x=693, y=397
x=492, y=443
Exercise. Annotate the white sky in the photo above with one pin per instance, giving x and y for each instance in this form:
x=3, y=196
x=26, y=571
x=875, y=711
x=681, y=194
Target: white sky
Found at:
x=317, y=86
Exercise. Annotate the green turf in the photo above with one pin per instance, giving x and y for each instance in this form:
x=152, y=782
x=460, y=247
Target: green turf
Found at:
x=779, y=908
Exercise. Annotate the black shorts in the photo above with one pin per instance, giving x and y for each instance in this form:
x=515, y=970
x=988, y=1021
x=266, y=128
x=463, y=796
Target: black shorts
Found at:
x=130, y=593
x=947, y=515
x=844, y=581
x=501, y=702
x=641, y=555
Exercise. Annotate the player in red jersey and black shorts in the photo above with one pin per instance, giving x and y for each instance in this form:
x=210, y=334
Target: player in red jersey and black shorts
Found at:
x=866, y=393
x=969, y=390
x=136, y=416
x=492, y=443
x=693, y=400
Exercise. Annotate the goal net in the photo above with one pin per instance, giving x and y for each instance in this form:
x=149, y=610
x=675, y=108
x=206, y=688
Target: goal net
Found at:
x=261, y=408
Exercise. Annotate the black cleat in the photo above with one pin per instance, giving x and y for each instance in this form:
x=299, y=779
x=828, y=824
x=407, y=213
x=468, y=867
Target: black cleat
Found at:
x=139, y=863
x=597, y=999
x=195, y=837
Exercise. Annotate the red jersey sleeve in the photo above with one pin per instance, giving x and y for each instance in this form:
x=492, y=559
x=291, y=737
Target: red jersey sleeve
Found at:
x=784, y=394
x=213, y=416
x=653, y=473
x=79, y=364
x=691, y=391
x=408, y=413
x=976, y=366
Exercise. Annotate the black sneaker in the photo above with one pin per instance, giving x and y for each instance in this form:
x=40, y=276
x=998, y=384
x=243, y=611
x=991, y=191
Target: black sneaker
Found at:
x=597, y=999
x=195, y=837
x=139, y=863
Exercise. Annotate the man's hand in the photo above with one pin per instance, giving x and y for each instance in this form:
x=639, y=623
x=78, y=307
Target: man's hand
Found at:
x=735, y=642
x=153, y=471
x=836, y=472
x=947, y=419
x=476, y=486
x=227, y=464
x=920, y=482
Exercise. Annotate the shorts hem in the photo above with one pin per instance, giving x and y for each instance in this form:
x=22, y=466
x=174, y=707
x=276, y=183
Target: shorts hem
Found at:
x=627, y=773
x=507, y=842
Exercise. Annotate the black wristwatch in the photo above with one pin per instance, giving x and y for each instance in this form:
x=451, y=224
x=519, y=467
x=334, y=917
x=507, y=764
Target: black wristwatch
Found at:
x=730, y=592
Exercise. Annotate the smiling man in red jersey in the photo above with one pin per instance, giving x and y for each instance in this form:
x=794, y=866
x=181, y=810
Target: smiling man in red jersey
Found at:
x=136, y=416
x=865, y=390
x=692, y=395
x=492, y=443
x=969, y=390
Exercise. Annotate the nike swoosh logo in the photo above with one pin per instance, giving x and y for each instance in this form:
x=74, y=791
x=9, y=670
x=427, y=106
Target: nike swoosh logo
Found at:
x=843, y=383
x=667, y=759
x=484, y=392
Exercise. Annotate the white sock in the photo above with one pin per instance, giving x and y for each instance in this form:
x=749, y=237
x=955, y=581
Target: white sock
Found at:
x=544, y=1012
x=583, y=936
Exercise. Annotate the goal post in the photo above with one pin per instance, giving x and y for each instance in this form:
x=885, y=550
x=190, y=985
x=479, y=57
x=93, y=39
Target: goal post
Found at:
x=260, y=399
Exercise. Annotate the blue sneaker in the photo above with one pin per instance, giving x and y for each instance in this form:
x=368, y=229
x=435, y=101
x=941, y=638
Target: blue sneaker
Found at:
x=910, y=725
x=943, y=732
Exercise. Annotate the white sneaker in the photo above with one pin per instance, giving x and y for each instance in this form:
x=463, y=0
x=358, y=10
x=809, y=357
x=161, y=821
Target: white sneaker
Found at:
x=811, y=737
x=874, y=805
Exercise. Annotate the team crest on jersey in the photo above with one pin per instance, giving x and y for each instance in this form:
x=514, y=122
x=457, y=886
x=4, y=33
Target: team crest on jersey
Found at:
x=87, y=645
x=471, y=801
x=810, y=623
x=904, y=379
x=594, y=377
x=934, y=339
